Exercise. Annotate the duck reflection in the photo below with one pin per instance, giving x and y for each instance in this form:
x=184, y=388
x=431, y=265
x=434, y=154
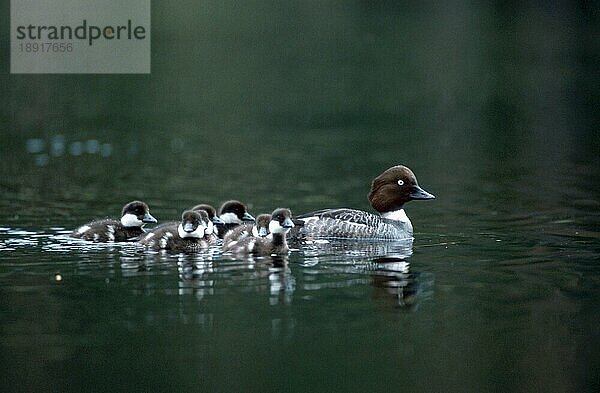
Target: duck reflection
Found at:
x=395, y=284
x=386, y=263
x=269, y=274
x=321, y=265
x=282, y=283
x=359, y=248
x=196, y=277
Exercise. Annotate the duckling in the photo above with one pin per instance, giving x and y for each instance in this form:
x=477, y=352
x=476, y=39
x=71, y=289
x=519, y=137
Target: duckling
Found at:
x=259, y=229
x=212, y=216
x=272, y=244
x=233, y=213
x=134, y=216
x=195, y=232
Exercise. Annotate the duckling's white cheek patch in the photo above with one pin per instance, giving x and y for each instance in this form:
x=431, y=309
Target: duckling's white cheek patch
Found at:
x=255, y=232
x=230, y=218
x=198, y=233
x=210, y=229
x=131, y=220
x=83, y=229
x=275, y=227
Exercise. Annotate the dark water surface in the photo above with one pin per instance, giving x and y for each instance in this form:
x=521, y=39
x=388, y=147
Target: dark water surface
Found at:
x=494, y=109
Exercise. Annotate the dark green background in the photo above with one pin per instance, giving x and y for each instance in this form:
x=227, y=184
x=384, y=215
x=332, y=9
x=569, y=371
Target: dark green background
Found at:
x=300, y=105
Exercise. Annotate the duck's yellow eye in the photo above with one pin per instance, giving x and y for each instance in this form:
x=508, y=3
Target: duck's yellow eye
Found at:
x=400, y=182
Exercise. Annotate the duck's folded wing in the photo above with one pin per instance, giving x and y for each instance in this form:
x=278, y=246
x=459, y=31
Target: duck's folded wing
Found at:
x=347, y=215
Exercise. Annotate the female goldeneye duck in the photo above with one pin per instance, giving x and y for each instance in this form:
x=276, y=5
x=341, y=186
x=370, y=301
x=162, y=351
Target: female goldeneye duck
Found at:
x=272, y=244
x=195, y=232
x=389, y=192
x=259, y=229
x=233, y=213
x=133, y=217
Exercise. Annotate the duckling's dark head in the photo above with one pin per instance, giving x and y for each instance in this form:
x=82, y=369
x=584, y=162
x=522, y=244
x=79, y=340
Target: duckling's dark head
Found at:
x=234, y=212
x=281, y=221
x=261, y=227
x=193, y=224
x=136, y=214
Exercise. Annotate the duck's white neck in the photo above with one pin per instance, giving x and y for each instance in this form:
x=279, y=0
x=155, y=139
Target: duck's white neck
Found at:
x=396, y=215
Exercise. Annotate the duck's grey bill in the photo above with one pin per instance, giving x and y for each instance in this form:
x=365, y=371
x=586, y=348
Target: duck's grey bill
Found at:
x=287, y=223
x=419, y=193
x=217, y=221
x=148, y=219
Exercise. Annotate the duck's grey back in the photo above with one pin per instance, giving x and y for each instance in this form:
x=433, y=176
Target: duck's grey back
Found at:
x=353, y=224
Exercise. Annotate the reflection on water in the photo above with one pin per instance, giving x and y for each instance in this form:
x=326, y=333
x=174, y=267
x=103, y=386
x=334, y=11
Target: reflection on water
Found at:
x=324, y=265
x=395, y=282
x=386, y=263
x=359, y=248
